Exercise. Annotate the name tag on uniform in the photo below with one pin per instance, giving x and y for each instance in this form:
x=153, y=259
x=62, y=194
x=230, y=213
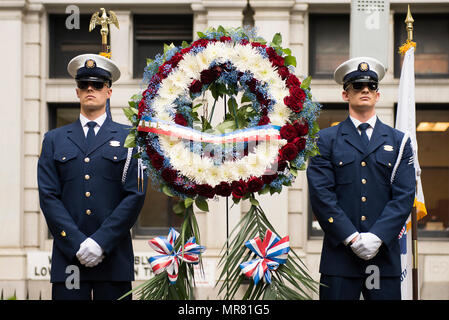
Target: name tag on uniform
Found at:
x=388, y=147
x=114, y=143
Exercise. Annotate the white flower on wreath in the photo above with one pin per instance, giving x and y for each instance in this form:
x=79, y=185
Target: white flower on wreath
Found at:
x=189, y=65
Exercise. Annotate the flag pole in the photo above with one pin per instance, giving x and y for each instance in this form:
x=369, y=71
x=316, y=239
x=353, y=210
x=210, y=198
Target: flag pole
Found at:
x=414, y=220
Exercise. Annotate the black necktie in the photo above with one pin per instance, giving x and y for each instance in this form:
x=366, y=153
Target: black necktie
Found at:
x=364, y=136
x=90, y=138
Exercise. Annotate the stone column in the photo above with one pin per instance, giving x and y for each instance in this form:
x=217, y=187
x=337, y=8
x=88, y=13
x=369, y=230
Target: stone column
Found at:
x=11, y=137
x=299, y=38
x=122, y=54
x=12, y=163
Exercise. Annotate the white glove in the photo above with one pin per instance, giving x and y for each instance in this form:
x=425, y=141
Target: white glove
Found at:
x=90, y=253
x=367, y=245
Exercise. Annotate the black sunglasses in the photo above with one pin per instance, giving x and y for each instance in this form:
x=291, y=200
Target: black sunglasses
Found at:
x=357, y=86
x=85, y=84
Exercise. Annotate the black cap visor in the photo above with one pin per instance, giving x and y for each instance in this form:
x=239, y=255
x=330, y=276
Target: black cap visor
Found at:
x=93, y=79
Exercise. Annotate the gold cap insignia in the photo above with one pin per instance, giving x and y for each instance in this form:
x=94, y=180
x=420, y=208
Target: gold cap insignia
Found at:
x=90, y=64
x=363, y=66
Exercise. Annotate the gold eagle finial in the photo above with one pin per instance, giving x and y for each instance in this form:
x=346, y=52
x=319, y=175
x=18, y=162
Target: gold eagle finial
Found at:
x=104, y=21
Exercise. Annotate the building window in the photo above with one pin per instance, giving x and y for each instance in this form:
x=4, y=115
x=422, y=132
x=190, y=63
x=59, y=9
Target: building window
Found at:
x=157, y=214
x=152, y=31
x=432, y=134
x=65, y=43
x=331, y=115
x=431, y=33
x=61, y=114
x=328, y=43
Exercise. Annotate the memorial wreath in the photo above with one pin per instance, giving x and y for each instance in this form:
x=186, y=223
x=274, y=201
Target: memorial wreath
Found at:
x=266, y=136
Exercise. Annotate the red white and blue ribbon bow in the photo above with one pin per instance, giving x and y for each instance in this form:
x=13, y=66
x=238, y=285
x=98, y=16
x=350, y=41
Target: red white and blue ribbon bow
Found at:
x=272, y=252
x=170, y=259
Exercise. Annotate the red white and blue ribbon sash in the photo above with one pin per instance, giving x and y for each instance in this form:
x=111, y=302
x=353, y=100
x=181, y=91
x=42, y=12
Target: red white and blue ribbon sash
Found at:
x=169, y=259
x=161, y=127
x=271, y=252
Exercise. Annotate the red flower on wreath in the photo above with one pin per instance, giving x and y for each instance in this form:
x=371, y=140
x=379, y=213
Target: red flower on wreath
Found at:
x=300, y=143
x=288, y=132
x=289, y=152
x=296, y=98
x=297, y=93
x=195, y=86
x=292, y=81
x=169, y=175
x=179, y=119
x=283, y=72
x=239, y=189
x=223, y=189
x=205, y=190
x=175, y=59
x=264, y=120
x=302, y=128
x=269, y=178
x=157, y=161
x=255, y=184
x=210, y=75
x=293, y=104
x=141, y=107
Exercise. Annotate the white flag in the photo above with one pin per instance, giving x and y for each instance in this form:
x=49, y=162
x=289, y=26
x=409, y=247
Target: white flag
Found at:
x=406, y=122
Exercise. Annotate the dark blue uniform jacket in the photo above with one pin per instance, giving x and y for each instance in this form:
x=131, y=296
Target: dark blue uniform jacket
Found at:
x=81, y=195
x=350, y=190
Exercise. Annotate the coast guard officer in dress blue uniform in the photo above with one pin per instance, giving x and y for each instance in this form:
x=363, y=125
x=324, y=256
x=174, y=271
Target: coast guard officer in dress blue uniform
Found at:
x=360, y=211
x=88, y=208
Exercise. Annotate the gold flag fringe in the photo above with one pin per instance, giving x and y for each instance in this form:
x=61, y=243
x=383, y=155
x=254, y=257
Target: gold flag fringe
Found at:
x=407, y=45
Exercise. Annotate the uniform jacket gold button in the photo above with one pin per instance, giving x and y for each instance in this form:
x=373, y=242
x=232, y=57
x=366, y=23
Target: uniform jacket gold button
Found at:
x=63, y=158
x=364, y=181
x=363, y=218
x=115, y=157
x=363, y=199
x=331, y=220
x=87, y=194
x=86, y=160
x=87, y=177
x=389, y=164
x=88, y=212
x=363, y=164
x=63, y=234
x=340, y=163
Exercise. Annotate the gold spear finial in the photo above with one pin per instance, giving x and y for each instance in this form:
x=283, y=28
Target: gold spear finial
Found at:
x=409, y=27
x=104, y=21
x=409, y=24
